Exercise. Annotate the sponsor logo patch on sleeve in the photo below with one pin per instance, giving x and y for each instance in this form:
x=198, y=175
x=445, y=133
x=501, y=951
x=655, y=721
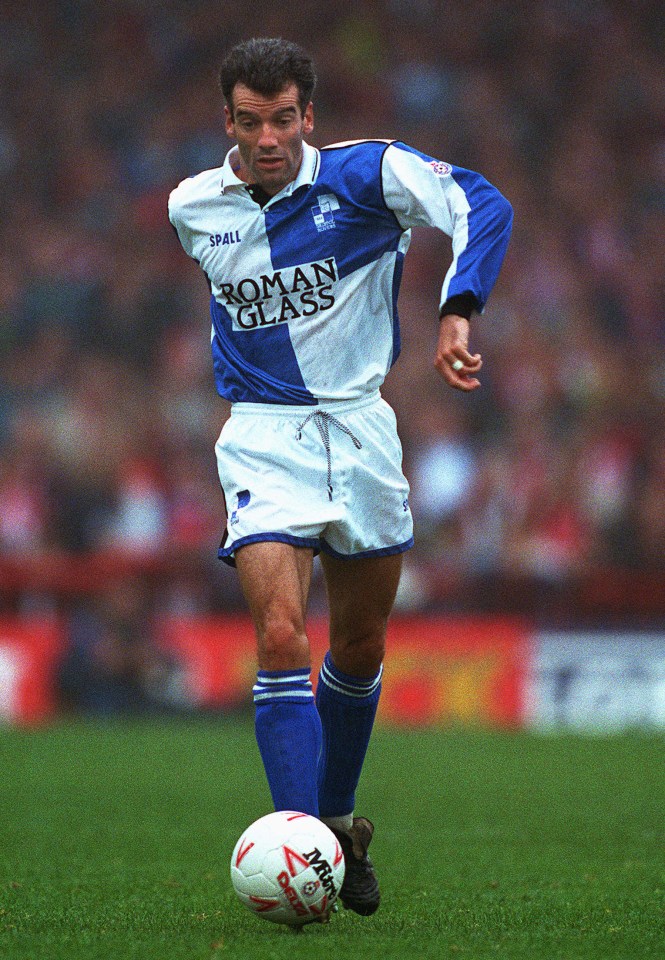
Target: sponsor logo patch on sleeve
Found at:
x=440, y=168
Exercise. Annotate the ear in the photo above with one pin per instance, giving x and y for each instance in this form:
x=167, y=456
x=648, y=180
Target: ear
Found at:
x=228, y=122
x=308, y=118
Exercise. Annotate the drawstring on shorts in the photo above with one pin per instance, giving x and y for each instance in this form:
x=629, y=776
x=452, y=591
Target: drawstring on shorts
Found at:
x=322, y=420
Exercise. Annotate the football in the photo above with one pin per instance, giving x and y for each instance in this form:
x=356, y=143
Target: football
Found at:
x=288, y=868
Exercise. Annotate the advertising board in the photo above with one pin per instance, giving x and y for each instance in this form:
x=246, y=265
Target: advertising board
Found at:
x=596, y=681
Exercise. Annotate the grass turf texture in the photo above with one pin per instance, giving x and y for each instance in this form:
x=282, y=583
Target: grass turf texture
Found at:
x=116, y=842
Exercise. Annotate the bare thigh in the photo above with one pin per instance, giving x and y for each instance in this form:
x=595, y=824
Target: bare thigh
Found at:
x=275, y=579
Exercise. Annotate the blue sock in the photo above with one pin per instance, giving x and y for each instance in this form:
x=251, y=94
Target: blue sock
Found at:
x=347, y=707
x=288, y=732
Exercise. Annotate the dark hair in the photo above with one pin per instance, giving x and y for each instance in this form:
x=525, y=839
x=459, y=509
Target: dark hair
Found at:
x=266, y=66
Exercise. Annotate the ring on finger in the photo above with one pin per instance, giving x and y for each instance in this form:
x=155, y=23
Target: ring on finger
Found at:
x=457, y=364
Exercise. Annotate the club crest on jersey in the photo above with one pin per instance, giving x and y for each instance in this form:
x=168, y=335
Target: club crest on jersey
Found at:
x=440, y=168
x=323, y=212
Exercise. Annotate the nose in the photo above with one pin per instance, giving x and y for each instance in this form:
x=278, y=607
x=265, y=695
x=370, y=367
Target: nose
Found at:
x=267, y=138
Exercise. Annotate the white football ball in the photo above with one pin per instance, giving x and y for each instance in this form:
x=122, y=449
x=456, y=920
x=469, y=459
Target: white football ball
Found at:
x=288, y=867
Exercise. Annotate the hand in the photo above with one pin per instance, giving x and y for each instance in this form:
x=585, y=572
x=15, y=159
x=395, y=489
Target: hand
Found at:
x=453, y=348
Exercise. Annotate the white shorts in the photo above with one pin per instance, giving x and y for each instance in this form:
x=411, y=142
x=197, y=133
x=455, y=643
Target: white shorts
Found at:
x=326, y=477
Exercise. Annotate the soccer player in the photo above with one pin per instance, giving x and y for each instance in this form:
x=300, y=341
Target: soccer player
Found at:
x=303, y=251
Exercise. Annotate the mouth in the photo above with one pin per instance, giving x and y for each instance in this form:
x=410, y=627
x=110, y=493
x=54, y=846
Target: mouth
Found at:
x=269, y=163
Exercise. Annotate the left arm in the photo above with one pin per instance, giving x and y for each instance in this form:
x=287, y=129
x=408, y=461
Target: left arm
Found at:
x=422, y=191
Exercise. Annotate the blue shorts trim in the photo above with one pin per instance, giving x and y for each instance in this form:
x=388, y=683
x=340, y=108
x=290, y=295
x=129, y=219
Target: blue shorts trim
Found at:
x=313, y=543
x=366, y=554
x=224, y=553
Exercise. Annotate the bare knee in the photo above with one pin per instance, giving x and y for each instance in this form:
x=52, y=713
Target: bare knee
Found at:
x=283, y=645
x=359, y=654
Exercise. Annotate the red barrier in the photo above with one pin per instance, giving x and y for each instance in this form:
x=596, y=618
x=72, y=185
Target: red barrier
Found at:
x=29, y=651
x=217, y=655
x=455, y=671
x=442, y=671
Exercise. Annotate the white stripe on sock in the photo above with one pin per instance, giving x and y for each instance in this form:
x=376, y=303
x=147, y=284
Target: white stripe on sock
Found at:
x=282, y=695
x=292, y=678
x=359, y=693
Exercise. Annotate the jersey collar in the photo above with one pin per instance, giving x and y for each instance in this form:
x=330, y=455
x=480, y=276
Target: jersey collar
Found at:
x=309, y=170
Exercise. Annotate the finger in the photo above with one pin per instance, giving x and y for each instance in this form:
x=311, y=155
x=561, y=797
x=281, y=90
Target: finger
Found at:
x=458, y=379
x=465, y=383
x=465, y=363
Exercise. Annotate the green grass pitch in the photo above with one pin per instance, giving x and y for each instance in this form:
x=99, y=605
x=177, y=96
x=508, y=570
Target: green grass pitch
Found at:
x=116, y=842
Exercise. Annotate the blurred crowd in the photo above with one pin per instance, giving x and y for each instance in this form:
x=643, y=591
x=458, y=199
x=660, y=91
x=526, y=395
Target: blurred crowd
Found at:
x=108, y=413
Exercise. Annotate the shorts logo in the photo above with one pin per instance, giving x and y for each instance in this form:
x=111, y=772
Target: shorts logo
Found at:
x=440, y=168
x=323, y=212
x=243, y=499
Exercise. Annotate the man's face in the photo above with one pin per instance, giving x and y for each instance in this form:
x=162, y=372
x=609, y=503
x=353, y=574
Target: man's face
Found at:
x=269, y=132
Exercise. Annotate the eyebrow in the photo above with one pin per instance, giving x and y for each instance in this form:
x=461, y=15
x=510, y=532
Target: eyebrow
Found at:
x=246, y=112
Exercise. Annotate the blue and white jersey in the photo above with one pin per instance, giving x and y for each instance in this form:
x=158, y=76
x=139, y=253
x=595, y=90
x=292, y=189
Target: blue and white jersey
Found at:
x=304, y=290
